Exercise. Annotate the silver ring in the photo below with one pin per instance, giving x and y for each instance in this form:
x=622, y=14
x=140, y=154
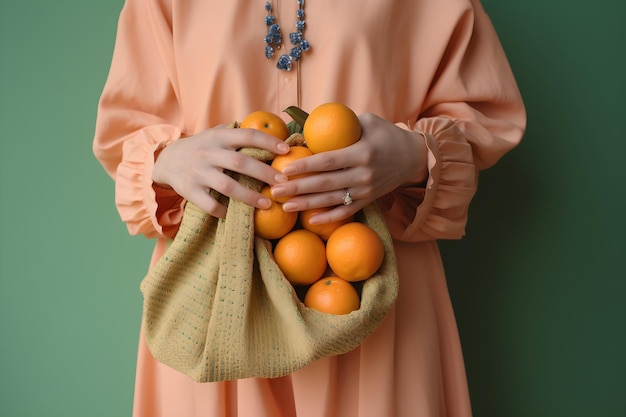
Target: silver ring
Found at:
x=347, y=199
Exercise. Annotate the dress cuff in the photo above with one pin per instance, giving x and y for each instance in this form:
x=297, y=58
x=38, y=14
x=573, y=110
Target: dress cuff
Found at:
x=439, y=209
x=146, y=209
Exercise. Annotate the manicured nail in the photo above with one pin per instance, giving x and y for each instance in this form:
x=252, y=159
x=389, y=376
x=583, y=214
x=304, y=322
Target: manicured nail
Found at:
x=280, y=178
x=314, y=220
x=289, y=170
x=278, y=191
x=290, y=206
x=264, y=203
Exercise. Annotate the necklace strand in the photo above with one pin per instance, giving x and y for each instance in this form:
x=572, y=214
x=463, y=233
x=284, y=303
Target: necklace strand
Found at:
x=273, y=39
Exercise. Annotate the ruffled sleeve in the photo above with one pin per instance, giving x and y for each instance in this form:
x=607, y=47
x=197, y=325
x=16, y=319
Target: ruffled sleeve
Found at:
x=139, y=114
x=146, y=208
x=473, y=114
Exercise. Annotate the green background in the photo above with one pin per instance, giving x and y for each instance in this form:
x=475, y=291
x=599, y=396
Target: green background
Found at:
x=538, y=284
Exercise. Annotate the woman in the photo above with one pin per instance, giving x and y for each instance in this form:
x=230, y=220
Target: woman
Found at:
x=437, y=102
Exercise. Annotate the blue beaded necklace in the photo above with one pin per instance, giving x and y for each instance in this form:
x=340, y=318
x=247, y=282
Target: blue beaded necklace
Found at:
x=273, y=39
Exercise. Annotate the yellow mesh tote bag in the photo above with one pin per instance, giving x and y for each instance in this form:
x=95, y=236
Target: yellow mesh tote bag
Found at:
x=217, y=307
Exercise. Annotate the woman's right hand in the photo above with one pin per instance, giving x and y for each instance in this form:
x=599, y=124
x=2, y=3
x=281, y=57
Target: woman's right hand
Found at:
x=195, y=165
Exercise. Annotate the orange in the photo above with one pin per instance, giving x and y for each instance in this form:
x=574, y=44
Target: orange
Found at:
x=332, y=295
x=354, y=251
x=281, y=161
x=301, y=256
x=322, y=230
x=266, y=122
x=331, y=126
x=295, y=152
x=274, y=222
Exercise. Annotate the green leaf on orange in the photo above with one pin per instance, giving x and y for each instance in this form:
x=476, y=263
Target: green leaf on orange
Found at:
x=299, y=117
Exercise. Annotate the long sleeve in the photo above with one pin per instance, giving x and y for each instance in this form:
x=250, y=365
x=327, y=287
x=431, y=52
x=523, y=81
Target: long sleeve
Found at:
x=473, y=114
x=138, y=115
x=455, y=88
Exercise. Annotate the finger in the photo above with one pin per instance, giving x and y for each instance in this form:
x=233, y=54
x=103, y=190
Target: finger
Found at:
x=328, y=199
x=247, y=165
x=201, y=198
x=322, y=182
x=252, y=138
x=338, y=213
x=328, y=161
x=233, y=189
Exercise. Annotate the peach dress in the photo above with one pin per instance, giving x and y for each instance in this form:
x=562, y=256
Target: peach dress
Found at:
x=436, y=66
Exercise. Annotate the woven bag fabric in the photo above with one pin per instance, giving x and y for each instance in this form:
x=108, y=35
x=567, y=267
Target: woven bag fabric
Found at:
x=217, y=307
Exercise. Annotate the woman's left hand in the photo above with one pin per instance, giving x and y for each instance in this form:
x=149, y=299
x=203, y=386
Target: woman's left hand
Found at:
x=385, y=157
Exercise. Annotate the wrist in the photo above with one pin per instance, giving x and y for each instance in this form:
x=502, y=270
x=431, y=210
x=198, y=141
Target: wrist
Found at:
x=419, y=174
x=158, y=181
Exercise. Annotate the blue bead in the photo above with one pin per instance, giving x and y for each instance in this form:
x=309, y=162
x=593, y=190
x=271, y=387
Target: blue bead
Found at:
x=300, y=2
x=284, y=63
x=296, y=53
x=295, y=38
x=300, y=14
x=300, y=24
x=275, y=28
x=305, y=45
x=269, y=20
x=267, y=39
x=268, y=6
x=269, y=52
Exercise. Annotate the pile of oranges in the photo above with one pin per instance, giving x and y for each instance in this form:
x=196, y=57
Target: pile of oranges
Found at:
x=327, y=260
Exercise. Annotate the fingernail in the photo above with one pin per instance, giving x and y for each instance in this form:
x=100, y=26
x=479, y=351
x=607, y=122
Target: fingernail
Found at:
x=289, y=170
x=314, y=220
x=264, y=203
x=287, y=206
x=277, y=191
x=280, y=178
x=283, y=147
